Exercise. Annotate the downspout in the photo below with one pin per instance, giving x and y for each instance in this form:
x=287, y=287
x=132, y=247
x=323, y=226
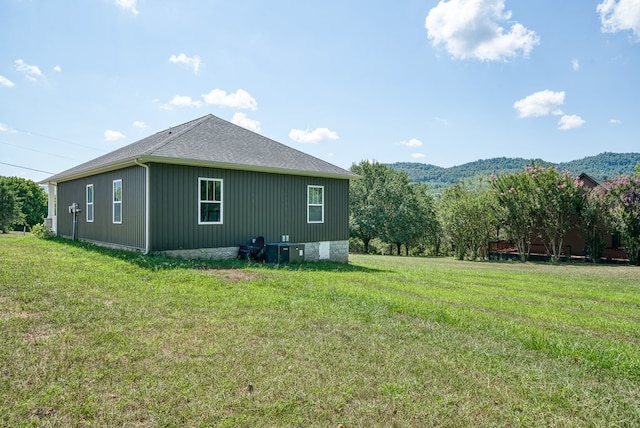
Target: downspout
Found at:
x=147, y=205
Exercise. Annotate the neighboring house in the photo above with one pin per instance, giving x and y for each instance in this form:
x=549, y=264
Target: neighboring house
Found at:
x=201, y=189
x=573, y=243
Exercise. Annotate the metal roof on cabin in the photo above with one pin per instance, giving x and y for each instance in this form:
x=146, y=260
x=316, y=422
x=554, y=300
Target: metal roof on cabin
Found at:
x=210, y=139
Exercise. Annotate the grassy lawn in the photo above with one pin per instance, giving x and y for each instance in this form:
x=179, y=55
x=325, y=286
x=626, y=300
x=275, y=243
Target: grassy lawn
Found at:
x=104, y=338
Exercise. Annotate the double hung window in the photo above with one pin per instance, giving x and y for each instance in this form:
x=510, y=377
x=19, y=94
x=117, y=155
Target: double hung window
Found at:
x=210, y=201
x=315, y=204
x=117, y=201
x=89, y=203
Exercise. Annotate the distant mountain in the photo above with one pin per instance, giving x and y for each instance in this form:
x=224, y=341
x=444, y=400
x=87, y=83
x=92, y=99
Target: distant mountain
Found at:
x=600, y=167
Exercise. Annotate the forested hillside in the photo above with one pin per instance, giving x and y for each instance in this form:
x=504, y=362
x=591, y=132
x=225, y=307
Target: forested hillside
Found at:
x=600, y=167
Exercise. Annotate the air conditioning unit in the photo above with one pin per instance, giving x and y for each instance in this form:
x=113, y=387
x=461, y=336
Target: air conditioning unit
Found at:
x=285, y=252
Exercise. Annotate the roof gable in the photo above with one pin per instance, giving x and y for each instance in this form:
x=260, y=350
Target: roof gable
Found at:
x=209, y=141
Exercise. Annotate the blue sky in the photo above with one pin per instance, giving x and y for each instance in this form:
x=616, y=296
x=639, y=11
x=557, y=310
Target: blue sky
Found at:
x=439, y=82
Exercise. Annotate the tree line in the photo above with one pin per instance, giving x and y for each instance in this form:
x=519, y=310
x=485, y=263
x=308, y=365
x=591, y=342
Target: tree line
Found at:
x=23, y=204
x=537, y=203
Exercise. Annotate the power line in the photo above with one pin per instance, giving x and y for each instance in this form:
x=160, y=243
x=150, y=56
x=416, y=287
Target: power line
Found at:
x=36, y=150
x=26, y=167
x=36, y=134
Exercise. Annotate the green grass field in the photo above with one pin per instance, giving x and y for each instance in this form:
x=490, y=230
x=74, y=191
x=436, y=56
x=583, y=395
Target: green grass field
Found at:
x=92, y=337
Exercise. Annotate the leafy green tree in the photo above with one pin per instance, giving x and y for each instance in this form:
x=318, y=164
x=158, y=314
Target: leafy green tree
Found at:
x=10, y=212
x=400, y=208
x=384, y=205
x=411, y=220
x=468, y=219
x=32, y=198
x=516, y=197
x=623, y=197
x=559, y=198
x=538, y=200
x=427, y=228
x=367, y=206
x=593, y=224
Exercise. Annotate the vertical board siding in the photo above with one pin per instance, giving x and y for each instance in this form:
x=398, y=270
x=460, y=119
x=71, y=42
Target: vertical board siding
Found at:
x=131, y=232
x=254, y=204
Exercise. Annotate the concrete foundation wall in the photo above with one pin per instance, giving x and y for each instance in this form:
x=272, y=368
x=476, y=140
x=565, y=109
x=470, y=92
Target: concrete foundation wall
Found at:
x=339, y=252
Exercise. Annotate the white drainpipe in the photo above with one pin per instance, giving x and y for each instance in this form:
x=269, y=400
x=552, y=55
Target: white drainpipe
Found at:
x=147, y=205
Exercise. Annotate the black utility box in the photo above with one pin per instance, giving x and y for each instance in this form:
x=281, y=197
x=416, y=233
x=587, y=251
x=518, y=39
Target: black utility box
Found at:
x=285, y=252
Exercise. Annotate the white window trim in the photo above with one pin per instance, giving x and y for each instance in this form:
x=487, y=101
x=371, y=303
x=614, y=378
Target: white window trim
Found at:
x=90, y=204
x=200, y=201
x=114, y=202
x=309, y=204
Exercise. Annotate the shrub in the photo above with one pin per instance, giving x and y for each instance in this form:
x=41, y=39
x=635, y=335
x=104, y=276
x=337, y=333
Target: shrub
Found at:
x=40, y=231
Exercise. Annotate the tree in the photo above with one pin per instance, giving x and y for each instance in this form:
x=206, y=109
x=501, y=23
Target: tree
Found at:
x=468, y=218
x=539, y=200
x=367, y=213
x=400, y=208
x=515, y=195
x=412, y=218
x=427, y=229
x=10, y=212
x=623, y=197
x=32, y=198
x=384, y=205
x=593, y=225
x=559, y=198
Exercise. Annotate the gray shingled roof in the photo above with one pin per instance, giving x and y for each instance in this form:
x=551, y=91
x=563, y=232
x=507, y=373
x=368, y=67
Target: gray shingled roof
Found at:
x=209, y=141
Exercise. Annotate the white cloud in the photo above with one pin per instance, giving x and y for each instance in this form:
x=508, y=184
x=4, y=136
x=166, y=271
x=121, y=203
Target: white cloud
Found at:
x=241, y=119
x=615, y=121
x=191, y=61
x=183, y=101
x=540, y=104
x=316, y=136
x=110, y=135
x=619, y=16
x=240, y=99
x=575, y=64
x=140, y=125
x=6, y=128
x=6, y=82
x=30, y=71
x=57, y=69
x=570, y=122
x=129, y=5
x=473, y=29
x=418, y=155
x=411, y=143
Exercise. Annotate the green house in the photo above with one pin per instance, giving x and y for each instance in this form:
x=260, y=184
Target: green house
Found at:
x=202, y=189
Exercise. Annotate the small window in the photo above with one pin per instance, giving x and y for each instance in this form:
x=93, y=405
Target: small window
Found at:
x=117, y=201
x=210, y=201
x=89, y=203
x=315, y=204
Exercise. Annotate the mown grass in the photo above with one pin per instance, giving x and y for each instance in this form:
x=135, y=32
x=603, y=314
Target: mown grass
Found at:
x=93, y=337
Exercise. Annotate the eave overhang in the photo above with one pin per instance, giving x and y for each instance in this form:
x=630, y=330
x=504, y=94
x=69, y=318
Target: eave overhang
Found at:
x=125, y=163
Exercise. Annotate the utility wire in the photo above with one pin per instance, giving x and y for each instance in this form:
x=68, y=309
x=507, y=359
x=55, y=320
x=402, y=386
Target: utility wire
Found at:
x=26, y=167
x=36, y=150
x=56, y=139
